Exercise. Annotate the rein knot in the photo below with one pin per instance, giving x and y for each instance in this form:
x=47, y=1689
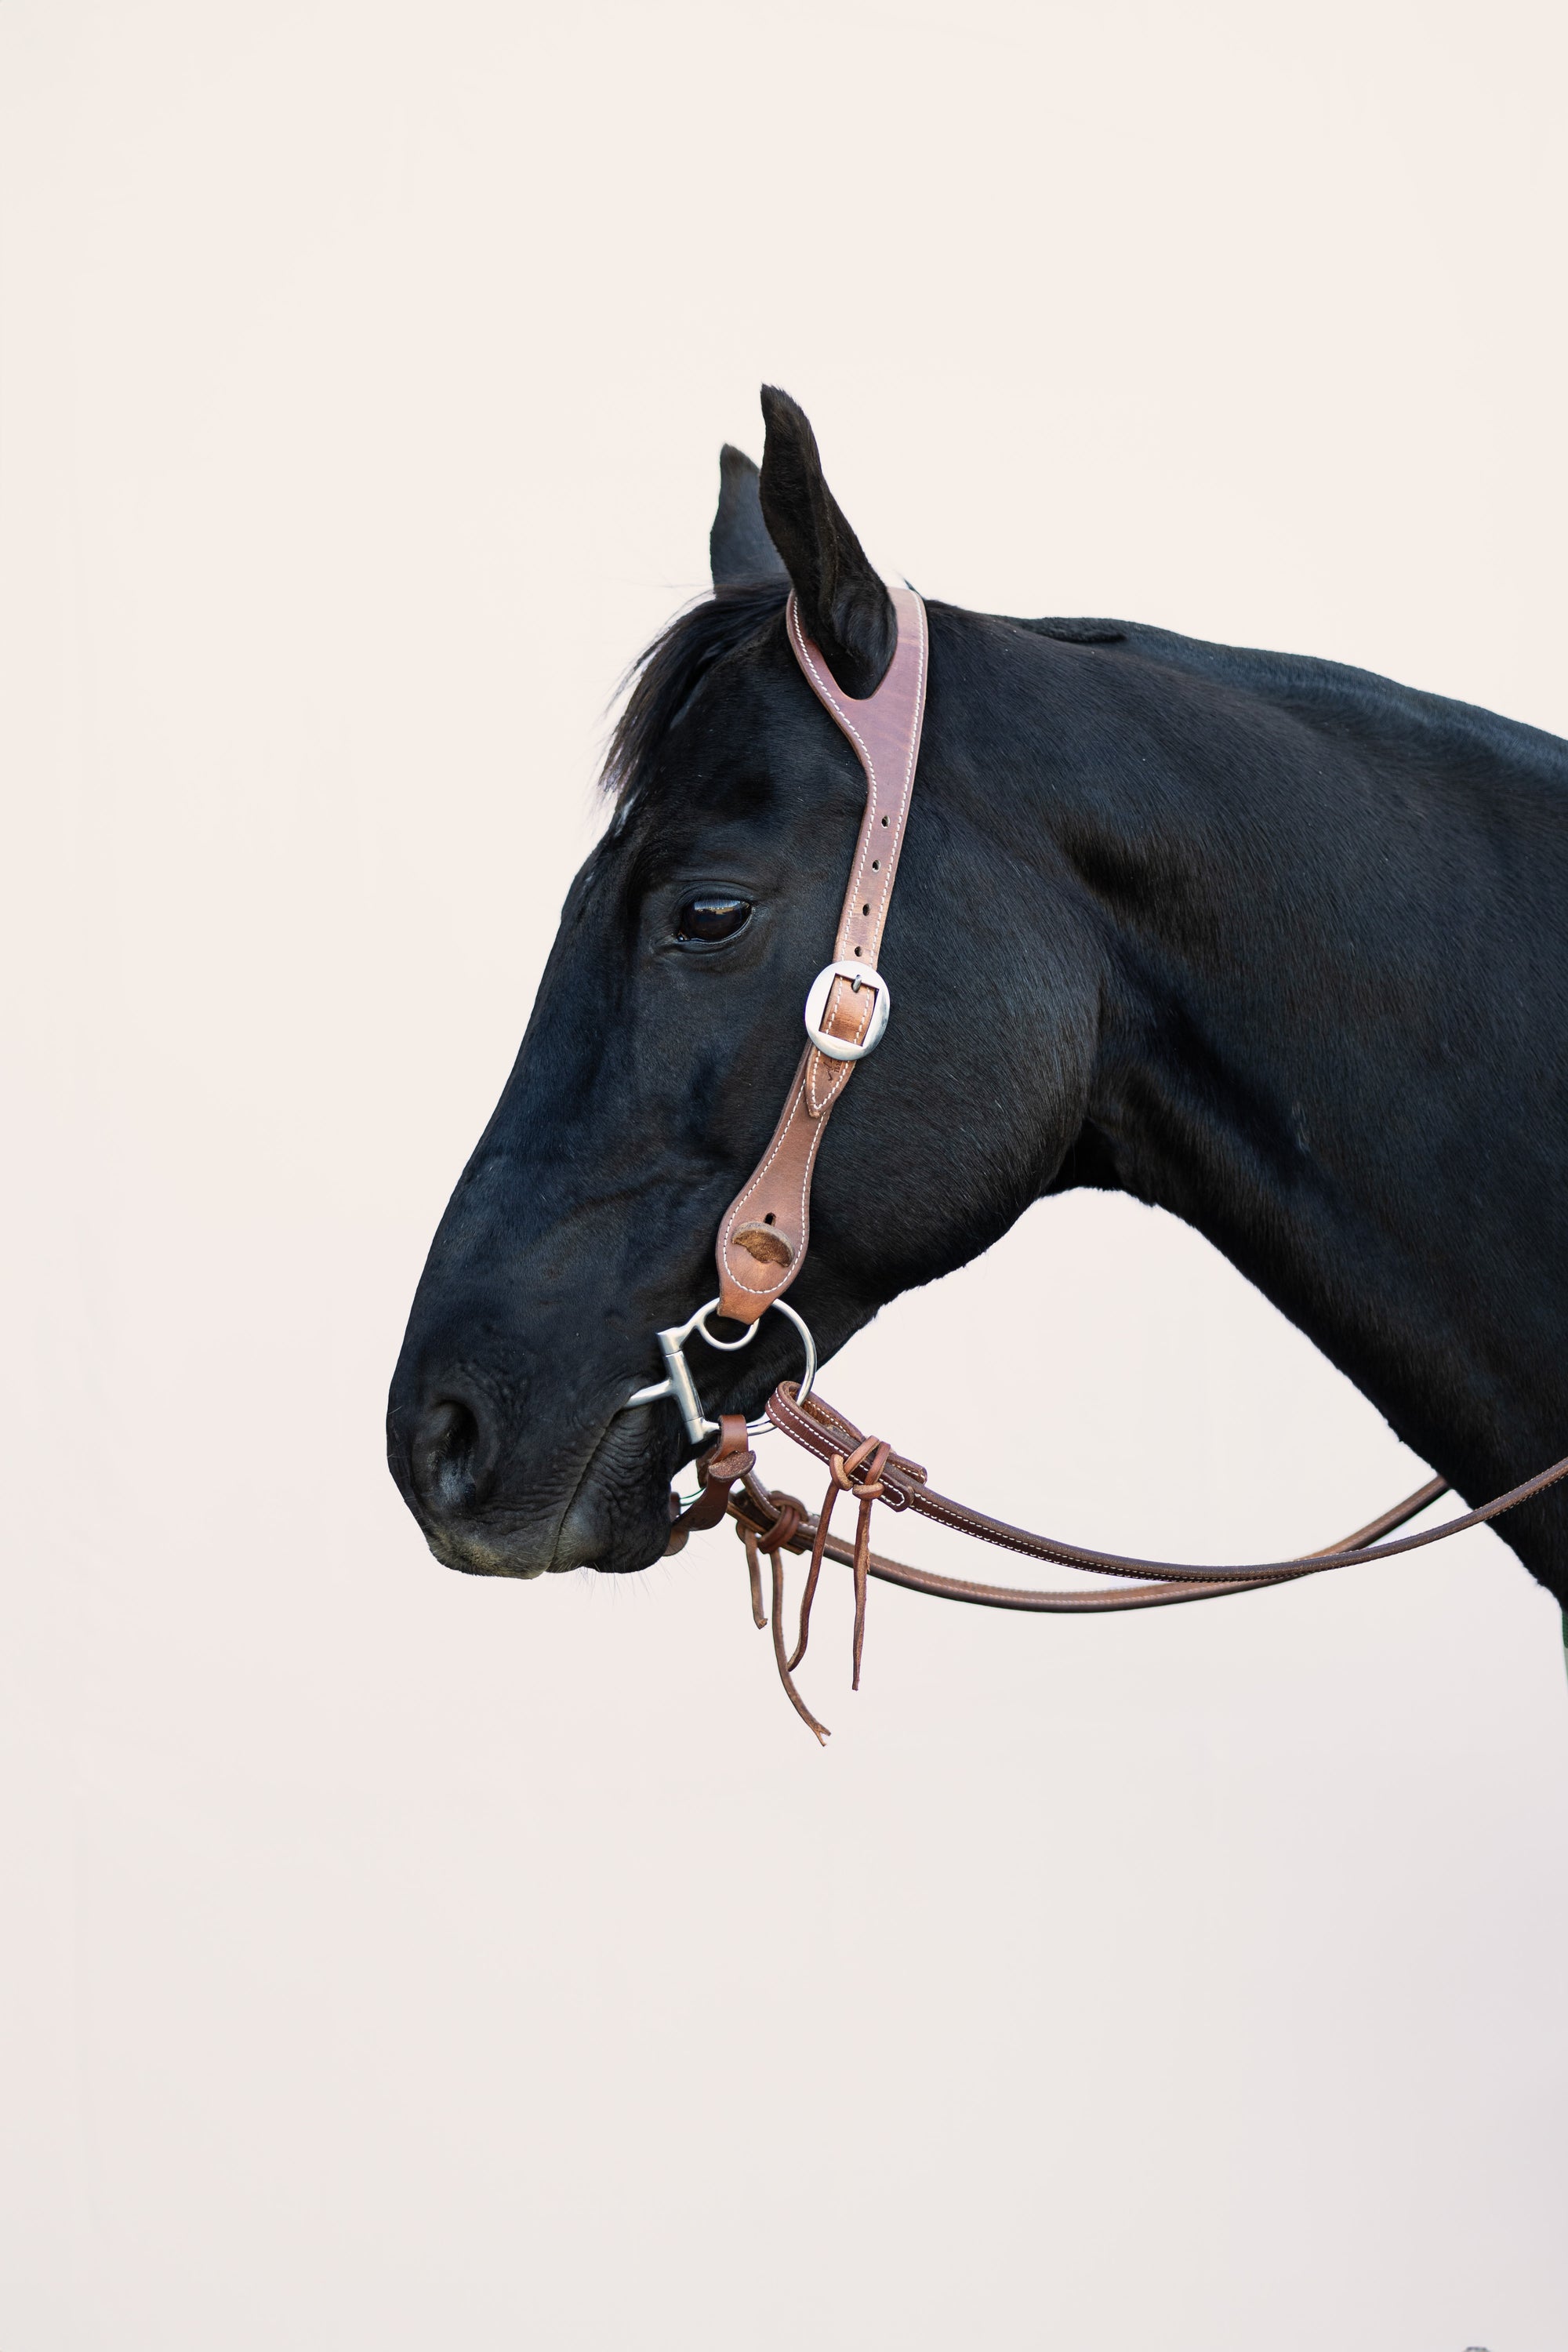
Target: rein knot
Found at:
x=874, y=1450
x=789, y=1519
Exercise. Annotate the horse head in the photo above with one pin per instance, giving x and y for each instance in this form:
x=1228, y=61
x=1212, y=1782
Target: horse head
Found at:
x=668, y=1027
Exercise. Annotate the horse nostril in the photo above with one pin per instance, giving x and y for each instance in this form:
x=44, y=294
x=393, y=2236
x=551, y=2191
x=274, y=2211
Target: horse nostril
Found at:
x=444, y=1459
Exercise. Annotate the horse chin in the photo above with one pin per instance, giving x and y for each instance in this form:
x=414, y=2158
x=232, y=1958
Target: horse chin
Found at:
x=475, y=1552
x=615, y=1520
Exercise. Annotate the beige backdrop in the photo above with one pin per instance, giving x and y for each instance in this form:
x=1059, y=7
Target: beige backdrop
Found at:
x=401, y=1961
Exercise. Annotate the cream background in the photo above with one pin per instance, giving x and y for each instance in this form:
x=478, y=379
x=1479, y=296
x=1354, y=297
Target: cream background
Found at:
x=404, y=1961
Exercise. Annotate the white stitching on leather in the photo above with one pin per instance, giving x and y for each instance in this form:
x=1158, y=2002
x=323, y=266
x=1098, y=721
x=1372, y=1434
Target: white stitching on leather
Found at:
x=814, y=1070
x=804, y=1094
x=828, y=694
x=824, y=686
x=757, y=1290
x=827, y=690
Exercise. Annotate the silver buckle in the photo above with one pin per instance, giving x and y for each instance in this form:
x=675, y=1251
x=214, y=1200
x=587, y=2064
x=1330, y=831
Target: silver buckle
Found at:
x=683, y=1387
x=859, y=975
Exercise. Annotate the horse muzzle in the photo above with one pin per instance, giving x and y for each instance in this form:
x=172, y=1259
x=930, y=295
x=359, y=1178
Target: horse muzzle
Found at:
x=458, y=1465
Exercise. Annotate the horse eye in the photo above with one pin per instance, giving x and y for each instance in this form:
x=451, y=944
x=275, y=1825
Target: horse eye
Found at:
x=710, y=915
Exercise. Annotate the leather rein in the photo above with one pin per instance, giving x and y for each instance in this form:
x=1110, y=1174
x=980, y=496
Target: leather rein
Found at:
x=763, y=1240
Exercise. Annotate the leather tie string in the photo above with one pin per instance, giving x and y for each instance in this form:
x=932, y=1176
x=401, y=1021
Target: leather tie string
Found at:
x=785, y=1516
x=785, y=1519
x=868, y=1491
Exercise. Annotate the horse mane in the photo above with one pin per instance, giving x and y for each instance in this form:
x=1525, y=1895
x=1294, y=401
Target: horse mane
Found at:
x=668, y=673
x=665, y=675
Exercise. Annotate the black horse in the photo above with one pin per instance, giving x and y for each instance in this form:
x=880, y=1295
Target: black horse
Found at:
x=1272, y=942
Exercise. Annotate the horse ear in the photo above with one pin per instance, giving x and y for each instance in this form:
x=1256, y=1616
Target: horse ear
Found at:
x=738, y=545
x=844, y=607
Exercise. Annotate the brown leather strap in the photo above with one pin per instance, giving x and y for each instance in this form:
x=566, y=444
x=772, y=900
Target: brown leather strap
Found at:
x=868, y=1468
x=729, y=1460
x=826, y=1433
x=765, y=1234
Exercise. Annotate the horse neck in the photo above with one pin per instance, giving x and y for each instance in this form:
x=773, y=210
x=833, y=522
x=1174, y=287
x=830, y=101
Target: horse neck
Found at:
x=1335, y=978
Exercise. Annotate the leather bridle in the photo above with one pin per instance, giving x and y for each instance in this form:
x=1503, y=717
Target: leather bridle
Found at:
x=763, y=1240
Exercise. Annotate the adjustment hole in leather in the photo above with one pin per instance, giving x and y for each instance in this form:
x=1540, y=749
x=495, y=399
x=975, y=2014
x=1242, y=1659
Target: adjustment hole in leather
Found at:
x=865, y=910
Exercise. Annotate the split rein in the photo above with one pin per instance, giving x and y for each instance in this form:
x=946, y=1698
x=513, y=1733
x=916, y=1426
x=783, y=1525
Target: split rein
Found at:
x=764, y=1238
x=867, y=1469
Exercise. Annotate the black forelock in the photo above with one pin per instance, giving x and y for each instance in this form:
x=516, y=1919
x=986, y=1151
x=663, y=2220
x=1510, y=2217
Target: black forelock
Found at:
x=665, y=677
